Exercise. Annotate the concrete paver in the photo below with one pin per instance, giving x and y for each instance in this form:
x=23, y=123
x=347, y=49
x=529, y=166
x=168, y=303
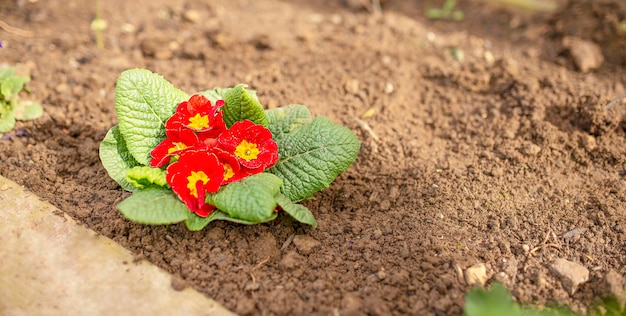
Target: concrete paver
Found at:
x=49, y=265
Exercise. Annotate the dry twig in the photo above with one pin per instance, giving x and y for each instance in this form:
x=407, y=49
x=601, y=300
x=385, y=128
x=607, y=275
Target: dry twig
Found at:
x=14, y=30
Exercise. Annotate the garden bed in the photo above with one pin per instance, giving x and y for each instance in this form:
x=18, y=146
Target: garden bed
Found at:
x=486, y=140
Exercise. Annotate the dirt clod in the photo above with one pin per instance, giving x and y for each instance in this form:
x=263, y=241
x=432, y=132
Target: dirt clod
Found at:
x=570, y=273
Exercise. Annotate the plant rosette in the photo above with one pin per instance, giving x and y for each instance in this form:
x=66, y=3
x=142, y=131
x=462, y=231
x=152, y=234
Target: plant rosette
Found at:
x=12, y=108
x=217, y=154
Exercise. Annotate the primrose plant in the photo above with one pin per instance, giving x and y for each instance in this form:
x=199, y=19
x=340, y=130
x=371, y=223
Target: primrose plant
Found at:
x=12, y=108
x=217, y=154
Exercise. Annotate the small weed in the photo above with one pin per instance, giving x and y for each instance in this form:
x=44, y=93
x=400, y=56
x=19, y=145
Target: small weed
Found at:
x=446, y=12
x=11, y=107
x=98, y=25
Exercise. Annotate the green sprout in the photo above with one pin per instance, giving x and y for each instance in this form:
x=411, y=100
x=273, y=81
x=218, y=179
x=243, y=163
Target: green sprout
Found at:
x=446, y=12
x=98, y=25
x=11, y=107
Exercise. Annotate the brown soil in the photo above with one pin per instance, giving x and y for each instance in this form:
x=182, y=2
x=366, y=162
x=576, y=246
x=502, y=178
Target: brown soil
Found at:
x=473, y=160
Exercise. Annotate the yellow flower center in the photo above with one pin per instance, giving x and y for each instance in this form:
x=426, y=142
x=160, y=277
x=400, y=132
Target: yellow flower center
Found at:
x=247, y=151
x=199, y=121
x=177, y=146
x=193, y=179
x=228, y=172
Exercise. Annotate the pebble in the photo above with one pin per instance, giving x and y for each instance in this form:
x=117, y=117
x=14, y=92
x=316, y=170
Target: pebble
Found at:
x=531, y=149
x=476, y=274
x=587, y=55
x=388, y=88
x=570, y=273
x=525, y=248
x=352, y=86
x=252, y=286
x=381, y=275
x=192, y=16
x=305, y=244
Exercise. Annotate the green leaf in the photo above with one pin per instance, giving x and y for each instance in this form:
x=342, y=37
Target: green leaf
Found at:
x=143, y=102
x=7, y=121
x=251, y=199
x=299, y=212
x=495, y=302
x=6, y=73
x=196, y=223
x=214, y=94
x=12, y=85
x=284, y=120
x=28, y=110
x=242, y=105
x=498, y=301
x=116, y=159
x=154, y=206
x=225, y=217
x=312, y=156
x=144, y=176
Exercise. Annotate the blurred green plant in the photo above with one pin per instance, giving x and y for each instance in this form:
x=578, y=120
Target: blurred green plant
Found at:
x=498, y=301
x=621, y=29
x=11, y=107
x=98, y=25
x=446, y=12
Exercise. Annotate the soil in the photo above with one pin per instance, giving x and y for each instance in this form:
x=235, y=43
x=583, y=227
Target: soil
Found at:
x=489, y=140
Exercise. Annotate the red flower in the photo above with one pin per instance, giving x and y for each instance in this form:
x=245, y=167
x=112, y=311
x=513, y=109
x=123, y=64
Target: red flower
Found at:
x=251, y=144
x=192, y=176
x=196, y=124
x=232, y=169
x=163, y=152
x=196, y=120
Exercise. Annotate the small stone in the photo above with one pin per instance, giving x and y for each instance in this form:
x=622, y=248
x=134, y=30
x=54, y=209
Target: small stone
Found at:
x=252, y=286
x=587, y=55
x=476, y=274
x=381, y=275
x=589, y=142
x=62, y=88
x=525, y=248
x=128, y=28
x=220, y=39
x=571, y=274
x=388, y=88
x=192, y=16
x=178, y=284
x=531, y=149
x=305, y=244
x=352, y=86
